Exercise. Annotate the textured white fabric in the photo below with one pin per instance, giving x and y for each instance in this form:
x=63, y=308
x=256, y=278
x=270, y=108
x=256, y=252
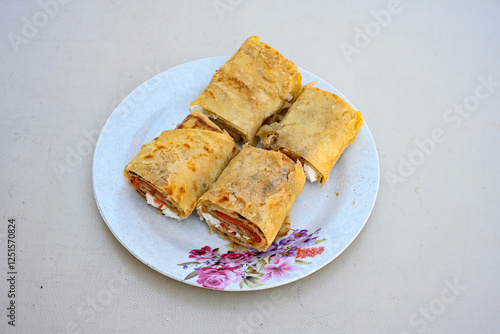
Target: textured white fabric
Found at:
x=428, y=259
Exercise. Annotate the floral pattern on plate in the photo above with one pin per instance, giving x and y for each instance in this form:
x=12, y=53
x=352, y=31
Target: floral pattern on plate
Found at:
x=251, y=267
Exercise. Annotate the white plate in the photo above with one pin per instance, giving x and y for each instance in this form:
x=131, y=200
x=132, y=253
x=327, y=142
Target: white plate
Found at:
x=333, y=215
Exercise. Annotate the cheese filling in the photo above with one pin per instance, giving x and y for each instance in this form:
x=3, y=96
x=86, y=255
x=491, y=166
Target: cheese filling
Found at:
x=200, y=109
x=195, y=108
x=211, y=220
x=311, y=174
x=166, y=210
x=215, y=223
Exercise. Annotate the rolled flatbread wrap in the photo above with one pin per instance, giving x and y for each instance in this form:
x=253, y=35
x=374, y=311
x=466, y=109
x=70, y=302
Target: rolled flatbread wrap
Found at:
x=315, y=131
x=254, y=84
x=173, y=170
x=251, y=200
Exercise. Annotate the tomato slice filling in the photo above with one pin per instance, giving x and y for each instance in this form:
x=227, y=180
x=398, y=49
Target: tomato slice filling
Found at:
x=255, y=237
x=159, y=199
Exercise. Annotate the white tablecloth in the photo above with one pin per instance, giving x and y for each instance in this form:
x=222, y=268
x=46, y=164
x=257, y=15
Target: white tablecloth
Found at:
x=426, y=76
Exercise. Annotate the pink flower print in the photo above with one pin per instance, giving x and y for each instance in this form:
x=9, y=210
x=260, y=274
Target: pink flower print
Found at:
x=217, y=277
x=236, y=258
x=203, y=254
x=278, y=268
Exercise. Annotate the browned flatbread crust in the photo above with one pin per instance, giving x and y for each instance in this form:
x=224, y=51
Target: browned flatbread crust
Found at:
x=254, y=84
x=258, y=188
x=198, y=120
x=316, y=130
x=181, y=164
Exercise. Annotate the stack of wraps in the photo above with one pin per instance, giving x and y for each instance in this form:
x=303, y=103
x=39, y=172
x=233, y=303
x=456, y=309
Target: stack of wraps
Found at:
x=246, y=196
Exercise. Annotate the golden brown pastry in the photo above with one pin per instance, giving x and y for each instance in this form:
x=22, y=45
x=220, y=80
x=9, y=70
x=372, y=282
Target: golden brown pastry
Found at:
x=197, y=120
x=254, y=84
x=316, y=130
x=176, y=168
x=251, y=200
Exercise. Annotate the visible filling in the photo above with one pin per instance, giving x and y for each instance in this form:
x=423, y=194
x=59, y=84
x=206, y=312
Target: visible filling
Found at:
x=278, y=116
x=270, y=142
x=232, y=130
x=310, y=173
x=232, y=226
x=159, y=204
x=200, y=109
x=154, y=198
